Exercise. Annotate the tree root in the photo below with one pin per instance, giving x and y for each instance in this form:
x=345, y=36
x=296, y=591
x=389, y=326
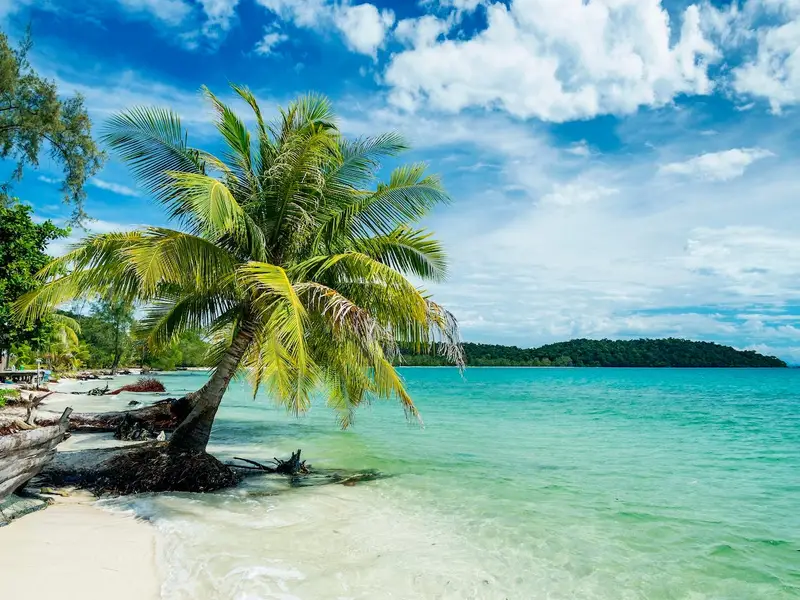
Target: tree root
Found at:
x=293, y=466
x=151, y=467
x=301, y=474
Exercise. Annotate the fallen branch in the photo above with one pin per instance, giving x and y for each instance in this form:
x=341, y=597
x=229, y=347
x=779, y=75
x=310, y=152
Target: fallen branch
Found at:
x=164, y=415
x=258, y=466
x=293, y=466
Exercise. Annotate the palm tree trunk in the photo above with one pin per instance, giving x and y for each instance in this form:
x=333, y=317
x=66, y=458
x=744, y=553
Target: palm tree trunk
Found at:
x=193, y=433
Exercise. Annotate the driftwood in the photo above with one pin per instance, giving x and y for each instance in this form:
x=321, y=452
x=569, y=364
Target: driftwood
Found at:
x=304, y=476
x=293, y=466
x=164, y=415
x=98, y=391
x=24, y=454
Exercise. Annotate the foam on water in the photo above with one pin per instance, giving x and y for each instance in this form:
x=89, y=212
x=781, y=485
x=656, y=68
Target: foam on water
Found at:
x=535, y=484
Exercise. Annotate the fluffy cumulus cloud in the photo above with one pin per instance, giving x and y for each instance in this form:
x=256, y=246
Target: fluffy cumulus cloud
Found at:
x=363, y=27
x=717, y=166
x=421, y=31
x=560, y=60
x=765, y=33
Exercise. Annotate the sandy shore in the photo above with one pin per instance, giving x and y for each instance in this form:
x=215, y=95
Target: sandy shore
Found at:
x=84, y=553
x=87, y=553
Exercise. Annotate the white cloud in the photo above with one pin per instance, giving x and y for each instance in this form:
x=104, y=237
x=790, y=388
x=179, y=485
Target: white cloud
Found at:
x=465, y=5
x=308, y=13
x=573, y=193
x=116, y=188
x=172, y=12
x=717, y=166
x=364, y=26
x=272, y=38
x=559, y=60
x=209, y=18
x=748, y=260
x=50, y=180
x=759, y=38
x=422, y=31
x=219, y=13
x=774, y=73
x=580, y=149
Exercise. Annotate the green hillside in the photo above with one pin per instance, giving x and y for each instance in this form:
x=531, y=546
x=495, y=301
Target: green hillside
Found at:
x=609, y=353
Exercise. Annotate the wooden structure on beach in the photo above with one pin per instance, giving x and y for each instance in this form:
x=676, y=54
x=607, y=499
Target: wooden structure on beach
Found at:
x=24, y=454
x=22, y=376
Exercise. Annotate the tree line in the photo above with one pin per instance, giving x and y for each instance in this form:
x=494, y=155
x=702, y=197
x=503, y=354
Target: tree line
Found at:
x=669, y=352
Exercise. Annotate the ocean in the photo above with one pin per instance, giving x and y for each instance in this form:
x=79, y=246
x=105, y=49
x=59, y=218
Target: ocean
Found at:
x=556, y=484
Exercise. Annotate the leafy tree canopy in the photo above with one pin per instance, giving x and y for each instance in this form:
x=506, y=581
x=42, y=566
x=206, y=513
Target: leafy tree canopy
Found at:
x=34, y=117
x=22, y=255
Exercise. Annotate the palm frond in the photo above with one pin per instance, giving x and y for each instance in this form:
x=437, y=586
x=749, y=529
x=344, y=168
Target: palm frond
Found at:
x=410, y=251
x=152, y=142
x=409, y=196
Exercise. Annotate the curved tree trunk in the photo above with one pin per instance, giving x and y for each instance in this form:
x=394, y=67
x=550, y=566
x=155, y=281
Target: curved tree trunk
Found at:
x=194, y=432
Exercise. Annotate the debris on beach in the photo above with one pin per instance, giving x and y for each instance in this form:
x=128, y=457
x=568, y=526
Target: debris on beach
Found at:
x=132, y=429
x=293, y=466
x=301, y=475
x=24, y=453
x=145, y=384
x=164, y=415
x=148, y=467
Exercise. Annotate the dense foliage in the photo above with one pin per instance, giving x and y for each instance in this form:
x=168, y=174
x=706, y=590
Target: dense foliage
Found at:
x=22, y=255
x=107, y=337
x=608, y=353
x=33, y=117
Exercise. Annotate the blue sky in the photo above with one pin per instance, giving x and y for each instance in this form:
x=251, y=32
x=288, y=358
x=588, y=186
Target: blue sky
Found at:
x=618, y=168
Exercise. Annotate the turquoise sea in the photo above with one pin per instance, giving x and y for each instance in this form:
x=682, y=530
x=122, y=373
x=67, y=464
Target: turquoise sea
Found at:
x=610, y=484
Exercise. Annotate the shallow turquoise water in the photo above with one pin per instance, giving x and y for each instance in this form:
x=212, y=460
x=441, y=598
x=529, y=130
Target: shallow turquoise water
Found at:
x=524, y=483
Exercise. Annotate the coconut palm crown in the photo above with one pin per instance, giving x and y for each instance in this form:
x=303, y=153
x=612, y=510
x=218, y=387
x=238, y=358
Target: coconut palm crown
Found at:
x=288, y=252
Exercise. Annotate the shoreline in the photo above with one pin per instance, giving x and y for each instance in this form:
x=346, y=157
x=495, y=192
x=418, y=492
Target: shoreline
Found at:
x=75, y=537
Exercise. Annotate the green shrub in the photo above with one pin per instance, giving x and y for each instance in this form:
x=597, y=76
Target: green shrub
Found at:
x=8, y=394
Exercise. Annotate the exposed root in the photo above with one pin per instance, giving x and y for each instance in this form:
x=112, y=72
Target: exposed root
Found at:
x=149, y=468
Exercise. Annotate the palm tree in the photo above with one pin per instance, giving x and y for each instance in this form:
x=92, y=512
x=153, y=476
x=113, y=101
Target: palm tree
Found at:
x=63, y=346
x=290, y=255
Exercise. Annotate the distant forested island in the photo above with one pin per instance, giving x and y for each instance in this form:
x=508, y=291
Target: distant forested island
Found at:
x=607, y=353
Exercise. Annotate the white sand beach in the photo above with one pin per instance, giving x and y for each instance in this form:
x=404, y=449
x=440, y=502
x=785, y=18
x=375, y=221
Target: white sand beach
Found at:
x=86, y=552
